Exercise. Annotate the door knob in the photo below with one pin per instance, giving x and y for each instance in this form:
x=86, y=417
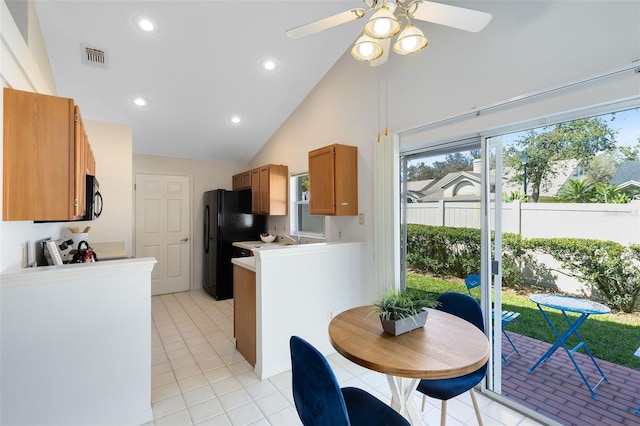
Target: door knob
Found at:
x=184, y=240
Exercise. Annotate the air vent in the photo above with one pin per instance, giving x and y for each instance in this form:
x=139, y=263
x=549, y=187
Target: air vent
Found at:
x=94, y=56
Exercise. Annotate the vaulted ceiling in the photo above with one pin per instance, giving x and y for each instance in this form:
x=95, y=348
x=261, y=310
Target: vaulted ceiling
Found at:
x=201, y=67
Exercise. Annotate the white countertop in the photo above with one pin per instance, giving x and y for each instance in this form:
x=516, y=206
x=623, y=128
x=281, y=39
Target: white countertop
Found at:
x=251, y=245
x=257, y=246
x=77, y=271
x=245, y=262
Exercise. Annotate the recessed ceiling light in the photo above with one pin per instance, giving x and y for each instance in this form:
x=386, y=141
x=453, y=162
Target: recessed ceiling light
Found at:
x=141, y=102
x=269, y=65
x=235, y=119
x=145, y=24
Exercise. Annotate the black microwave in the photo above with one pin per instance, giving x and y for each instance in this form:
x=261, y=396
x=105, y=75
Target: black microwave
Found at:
x=93, y=199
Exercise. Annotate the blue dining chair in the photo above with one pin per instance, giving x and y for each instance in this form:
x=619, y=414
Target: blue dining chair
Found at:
x=467, y=308
x=319, y=399
x=472, y=281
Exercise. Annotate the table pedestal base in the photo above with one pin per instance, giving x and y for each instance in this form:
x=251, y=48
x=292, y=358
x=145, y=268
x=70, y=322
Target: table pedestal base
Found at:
x=401, y=398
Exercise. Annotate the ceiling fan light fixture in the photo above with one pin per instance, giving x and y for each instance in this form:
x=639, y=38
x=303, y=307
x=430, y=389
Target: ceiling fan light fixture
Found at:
x=383, y=24
x=410, y=40
x=366, y=49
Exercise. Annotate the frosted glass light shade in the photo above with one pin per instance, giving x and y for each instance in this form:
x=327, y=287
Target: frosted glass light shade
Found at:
x=410, y=40
x=383, y=24
x=366, y=49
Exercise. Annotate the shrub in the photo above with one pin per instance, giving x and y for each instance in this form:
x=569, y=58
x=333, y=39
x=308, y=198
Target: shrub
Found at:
x=609, y=267
x=443, y=250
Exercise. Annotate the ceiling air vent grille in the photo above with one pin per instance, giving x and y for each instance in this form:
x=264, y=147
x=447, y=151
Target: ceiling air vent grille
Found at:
x=94, y=57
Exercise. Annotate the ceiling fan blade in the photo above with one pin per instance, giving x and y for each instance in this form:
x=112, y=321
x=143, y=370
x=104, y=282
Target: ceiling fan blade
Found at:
x=323, y=24
x=386, y=46
x=452, y=16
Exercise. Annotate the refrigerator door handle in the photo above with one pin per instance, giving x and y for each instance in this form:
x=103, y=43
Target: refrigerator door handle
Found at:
x=207, y=225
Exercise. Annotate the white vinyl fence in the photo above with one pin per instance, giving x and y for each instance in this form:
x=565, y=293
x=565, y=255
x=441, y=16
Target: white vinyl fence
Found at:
x=613, y=222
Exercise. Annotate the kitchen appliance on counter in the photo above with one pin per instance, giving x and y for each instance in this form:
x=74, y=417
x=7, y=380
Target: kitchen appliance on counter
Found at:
x=227, y=218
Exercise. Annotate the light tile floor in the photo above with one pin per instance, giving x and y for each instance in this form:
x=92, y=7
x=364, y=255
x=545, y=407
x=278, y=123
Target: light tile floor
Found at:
x=198, y=378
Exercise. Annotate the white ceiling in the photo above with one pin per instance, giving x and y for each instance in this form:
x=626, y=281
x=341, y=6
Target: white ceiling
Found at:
x=201, y=67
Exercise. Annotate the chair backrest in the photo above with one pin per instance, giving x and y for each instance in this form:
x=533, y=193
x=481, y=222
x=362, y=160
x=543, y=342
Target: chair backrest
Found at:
x=463, y=306
x=472, y=281
x=316, y=391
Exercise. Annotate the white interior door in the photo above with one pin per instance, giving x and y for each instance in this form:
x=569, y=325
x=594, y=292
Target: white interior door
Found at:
x=163, y=229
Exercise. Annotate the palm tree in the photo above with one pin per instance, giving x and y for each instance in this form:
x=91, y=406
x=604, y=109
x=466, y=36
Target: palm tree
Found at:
x=576, y=191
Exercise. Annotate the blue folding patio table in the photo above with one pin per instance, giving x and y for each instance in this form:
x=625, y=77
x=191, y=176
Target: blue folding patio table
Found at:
x=570, y=304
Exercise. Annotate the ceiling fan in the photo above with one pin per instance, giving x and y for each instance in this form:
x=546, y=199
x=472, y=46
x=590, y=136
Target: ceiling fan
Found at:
x=374, y=44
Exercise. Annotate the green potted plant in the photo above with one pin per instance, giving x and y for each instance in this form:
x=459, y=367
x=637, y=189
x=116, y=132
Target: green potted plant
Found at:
x=404, y=311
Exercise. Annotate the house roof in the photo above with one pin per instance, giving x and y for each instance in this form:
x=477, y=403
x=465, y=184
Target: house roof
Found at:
x=419, y=185
x=628, y=173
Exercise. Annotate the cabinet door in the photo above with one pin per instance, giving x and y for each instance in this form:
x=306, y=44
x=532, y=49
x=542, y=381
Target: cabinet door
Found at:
x=80, y=170
x=38, y=157
x=246, y=179
x=242, y=181
x=255, y=191
x=236, y=182
x=244, y=312
x=346, y=180
x=264, y=190
x=322, y=199
x=92, y=162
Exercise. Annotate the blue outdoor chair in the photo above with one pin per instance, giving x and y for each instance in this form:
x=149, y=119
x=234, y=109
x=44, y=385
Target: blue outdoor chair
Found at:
x=473, y=281
x=319, y=399
x=467, y=308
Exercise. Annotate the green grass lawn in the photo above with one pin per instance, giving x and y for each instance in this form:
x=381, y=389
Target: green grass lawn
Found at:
x=608, y=338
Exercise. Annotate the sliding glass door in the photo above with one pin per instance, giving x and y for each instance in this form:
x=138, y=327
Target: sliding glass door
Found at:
x=451, y=227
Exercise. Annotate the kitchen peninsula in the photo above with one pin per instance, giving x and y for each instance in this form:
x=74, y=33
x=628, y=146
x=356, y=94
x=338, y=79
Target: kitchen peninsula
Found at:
x=298, y=289
x=76, y=344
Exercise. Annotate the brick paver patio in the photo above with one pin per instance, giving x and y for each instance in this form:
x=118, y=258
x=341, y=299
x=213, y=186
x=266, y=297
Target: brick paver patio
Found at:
x=556, y=390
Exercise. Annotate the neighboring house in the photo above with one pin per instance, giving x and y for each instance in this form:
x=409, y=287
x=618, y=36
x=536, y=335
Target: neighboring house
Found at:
x=466, y=185
x=627, y=177
x=416, y=189
x=458, y=186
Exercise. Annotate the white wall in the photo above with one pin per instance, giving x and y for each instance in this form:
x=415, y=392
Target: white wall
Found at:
x=205, y=176
x=112, y=146
x=528, y=46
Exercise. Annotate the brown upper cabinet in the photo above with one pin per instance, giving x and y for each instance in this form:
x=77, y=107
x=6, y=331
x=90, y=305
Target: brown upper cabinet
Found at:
x=333, y=181
x=46, y=157
x=242, y=181
x=270, y=190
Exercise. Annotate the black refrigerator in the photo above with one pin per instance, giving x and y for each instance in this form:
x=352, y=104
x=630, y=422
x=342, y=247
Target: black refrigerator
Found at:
x=227, y=218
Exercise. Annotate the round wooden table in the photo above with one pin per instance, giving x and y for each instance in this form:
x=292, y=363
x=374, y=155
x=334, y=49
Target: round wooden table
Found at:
x=447, y=346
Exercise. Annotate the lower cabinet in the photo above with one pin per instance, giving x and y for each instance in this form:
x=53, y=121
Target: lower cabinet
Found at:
x=244, y=312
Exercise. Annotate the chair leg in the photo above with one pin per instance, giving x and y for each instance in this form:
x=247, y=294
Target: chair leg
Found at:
x=510, y=342
x=424, y=399
x=515, y=350
x=443, y=413
x=475, y=406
